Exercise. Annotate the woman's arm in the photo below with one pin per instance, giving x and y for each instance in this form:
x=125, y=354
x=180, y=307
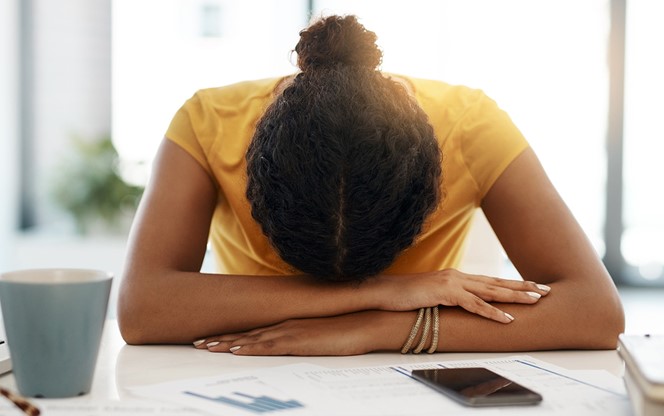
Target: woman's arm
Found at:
x=545, y=243
x=165, y=299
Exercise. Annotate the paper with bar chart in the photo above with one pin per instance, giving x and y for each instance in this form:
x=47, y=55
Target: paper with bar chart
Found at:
x=254, y=393
x=387, y=390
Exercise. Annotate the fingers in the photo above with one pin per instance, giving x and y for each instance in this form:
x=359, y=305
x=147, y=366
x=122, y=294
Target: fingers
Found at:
x=478, y=306
x=219, y=343
x=284, y=344
x=493, y=289
x=215, y=344
x=519, y=285
x=264, y=341
x=474, y=292
x=504, y=295
x=339, y=335
x=259, y=344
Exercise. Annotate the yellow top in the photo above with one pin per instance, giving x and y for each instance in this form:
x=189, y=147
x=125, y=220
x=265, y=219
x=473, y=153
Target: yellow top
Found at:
x=477, y=138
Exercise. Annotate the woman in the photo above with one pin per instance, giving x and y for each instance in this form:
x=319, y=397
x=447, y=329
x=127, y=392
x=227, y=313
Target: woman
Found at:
x=337, y=201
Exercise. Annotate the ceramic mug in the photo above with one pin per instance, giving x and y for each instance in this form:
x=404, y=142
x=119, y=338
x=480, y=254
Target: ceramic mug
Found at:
x=53, y=322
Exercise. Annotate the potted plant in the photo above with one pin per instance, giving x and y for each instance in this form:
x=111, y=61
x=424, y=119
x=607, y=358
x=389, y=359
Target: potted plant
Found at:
x=91, y=189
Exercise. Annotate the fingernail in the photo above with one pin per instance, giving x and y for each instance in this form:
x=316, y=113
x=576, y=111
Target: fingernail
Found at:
x=199, y=342
x=212, y=344
x=534, y=294
x=510, y=317
x=543, y=287
x=235, y=348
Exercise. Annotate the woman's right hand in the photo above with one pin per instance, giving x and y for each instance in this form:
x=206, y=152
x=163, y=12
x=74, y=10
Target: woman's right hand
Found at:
x=451, y=287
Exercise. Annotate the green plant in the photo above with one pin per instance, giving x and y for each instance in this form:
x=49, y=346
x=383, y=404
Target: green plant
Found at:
x=90, y=187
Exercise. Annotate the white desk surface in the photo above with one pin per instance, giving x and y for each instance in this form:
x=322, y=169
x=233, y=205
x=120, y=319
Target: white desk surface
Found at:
x=122, y=366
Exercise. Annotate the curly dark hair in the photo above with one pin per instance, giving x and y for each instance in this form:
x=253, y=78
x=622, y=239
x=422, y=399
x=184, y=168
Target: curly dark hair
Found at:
x=343, y=168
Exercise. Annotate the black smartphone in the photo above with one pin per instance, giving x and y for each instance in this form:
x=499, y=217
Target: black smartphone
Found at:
x=477, y=386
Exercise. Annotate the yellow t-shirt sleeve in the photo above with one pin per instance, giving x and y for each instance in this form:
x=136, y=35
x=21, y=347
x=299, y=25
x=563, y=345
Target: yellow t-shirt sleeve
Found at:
x=490, y=142
x=182, y=131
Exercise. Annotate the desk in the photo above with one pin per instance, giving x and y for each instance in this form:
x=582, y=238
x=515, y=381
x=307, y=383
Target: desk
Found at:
x=122, y=366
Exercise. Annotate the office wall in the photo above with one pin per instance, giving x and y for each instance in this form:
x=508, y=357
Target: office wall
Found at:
x=8, y=127
x=69, y=90
x=64, y=89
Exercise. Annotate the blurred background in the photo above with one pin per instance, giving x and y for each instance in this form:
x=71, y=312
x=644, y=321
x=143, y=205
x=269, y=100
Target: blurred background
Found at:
x=88, y=87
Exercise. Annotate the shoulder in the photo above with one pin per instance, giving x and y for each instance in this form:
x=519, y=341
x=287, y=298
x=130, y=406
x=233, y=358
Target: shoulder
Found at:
x=477, y=136
x=453, y=108
x=442, y=99
x=460, y=110
x=206, y=121
x=236, y=96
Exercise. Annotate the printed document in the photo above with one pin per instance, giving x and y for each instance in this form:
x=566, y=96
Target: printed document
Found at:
x=305, y=389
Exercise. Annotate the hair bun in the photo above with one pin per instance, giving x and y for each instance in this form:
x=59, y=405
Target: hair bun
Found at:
x=337, y=40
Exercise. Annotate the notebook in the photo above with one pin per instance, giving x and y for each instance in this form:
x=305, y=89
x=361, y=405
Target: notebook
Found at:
x=644, y=372
x=5, y=361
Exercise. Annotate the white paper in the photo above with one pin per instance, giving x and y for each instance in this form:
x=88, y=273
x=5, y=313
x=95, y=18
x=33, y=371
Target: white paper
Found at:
x=564, y=391
x=246, y=393
x=386, y=390
x=78, y=407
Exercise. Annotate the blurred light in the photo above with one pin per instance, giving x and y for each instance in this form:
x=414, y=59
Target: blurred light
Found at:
x=651, y=271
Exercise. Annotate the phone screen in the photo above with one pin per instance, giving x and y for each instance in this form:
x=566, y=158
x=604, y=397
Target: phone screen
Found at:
x=477, y=386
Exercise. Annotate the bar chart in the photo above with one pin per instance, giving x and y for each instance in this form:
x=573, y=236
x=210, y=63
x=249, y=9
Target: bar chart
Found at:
x=250, y=403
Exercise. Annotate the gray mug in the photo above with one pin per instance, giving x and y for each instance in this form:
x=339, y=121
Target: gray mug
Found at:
x=53, y=322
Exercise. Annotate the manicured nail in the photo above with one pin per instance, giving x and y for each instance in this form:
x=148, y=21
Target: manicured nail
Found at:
x=212, y=344
x=235, y=348
x=543, y=287
x=534, y=294
x=199, y=342
x=510, y=317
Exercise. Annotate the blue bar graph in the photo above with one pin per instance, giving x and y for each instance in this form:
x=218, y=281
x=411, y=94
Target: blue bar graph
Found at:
x=256, y=404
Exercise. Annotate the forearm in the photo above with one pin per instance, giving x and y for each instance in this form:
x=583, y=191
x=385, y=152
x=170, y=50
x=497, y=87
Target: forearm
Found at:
x=180, y=307
x=568, y=318
x=163, y=305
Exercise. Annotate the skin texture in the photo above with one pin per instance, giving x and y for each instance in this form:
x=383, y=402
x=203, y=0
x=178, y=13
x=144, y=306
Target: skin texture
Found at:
x=165, y=299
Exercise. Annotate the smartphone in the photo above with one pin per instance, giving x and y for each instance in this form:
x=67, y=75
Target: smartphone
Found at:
x=477, y=386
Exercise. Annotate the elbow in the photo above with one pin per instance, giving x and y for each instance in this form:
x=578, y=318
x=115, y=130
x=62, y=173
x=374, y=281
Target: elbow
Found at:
x=143, y=318
x=133, y=316
x=132, y=337
x=131, y=334
x=129, y=323
x=616, y=327
x=606, y=323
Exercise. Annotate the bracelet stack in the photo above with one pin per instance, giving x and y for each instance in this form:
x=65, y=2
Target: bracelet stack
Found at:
x=427, y=315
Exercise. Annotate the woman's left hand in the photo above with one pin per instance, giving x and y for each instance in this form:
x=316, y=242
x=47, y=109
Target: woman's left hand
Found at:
x=337, y=335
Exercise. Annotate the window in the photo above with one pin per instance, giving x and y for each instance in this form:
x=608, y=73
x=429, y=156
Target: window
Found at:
x=165, y=50
x=544, y=62
x=643, y=235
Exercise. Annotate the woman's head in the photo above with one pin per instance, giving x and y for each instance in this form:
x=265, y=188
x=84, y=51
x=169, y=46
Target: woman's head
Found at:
x=343, y=168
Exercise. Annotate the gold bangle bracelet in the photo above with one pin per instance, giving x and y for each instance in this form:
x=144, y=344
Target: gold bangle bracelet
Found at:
x=413, y=332
x=436, y=323
x=425, y=332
